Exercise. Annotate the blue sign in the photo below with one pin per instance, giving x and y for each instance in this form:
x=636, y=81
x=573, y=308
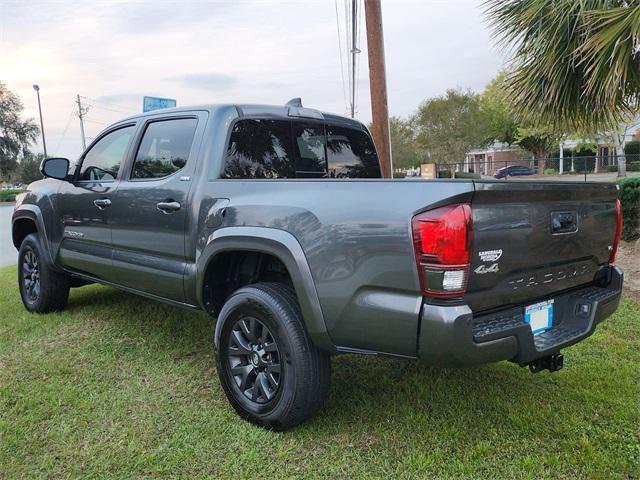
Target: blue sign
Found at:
x=156, y=103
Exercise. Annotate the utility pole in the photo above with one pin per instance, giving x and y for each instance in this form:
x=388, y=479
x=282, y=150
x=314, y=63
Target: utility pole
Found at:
x=378, y=85
x=81, y=113
x=44, y=143
x=354, y=52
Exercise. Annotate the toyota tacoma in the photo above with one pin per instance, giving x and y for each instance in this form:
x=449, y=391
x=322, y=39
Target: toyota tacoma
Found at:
x=274, y=220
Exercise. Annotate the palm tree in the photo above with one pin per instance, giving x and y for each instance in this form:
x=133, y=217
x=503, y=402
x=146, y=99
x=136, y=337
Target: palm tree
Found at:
x=575, y=63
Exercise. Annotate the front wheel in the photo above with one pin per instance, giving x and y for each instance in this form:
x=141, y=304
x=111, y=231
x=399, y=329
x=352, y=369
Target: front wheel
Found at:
x=270, y=371
x=42, y=289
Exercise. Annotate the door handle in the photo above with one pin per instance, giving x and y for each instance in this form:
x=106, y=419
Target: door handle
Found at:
x=168, y=206
x=102, y=203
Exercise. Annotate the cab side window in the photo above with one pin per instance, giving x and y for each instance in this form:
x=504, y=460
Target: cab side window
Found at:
x=102, y=162
x=260, y=149
x=351, y=153
x=164, y=149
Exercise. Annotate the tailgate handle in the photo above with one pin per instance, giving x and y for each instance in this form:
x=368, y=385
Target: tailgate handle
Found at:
x=564, y=222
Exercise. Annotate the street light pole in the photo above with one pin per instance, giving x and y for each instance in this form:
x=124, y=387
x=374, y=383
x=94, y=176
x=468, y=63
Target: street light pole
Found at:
x=44, y=143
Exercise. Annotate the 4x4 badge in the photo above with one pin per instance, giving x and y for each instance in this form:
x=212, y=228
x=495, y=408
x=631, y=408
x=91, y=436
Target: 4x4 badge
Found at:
x=482, y=269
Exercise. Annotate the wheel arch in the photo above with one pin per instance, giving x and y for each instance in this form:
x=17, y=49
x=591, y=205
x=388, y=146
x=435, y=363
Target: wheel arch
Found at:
x=284, y=247
x=28, y=219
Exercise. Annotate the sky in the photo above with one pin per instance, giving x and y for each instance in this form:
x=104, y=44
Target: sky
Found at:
x=219, y=51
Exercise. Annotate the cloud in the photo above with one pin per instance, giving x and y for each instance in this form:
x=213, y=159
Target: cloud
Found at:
x=143, y=18
x=245, y=51
x=121, y=98
x=206, y=81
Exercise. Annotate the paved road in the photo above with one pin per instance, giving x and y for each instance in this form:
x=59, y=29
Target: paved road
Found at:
x=8, y=254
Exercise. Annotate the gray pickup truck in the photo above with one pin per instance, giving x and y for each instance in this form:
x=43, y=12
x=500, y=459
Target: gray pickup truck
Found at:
x=275, y=220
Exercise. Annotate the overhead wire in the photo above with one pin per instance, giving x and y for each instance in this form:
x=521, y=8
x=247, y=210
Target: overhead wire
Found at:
x=94, y=102
x=359, y=20
x=347, y=29
x=344, y=87
x=108, y=108
x=97, y=122
x=64, y=132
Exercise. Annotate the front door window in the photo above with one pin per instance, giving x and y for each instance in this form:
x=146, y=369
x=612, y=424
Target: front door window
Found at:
x=102, y=162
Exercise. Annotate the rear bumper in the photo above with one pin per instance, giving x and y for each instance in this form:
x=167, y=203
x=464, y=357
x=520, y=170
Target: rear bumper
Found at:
x=452, y=336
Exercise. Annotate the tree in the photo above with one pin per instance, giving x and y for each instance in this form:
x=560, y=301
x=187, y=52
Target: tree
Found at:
x=539, y=140
x=618, y=139
x=15, y=134
x=496, y=107
x=29, y=170
x=403, y=144
x=448, y=126
x=575, y=64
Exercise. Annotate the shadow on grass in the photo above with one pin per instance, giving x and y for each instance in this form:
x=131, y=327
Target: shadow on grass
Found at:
x=366, y=392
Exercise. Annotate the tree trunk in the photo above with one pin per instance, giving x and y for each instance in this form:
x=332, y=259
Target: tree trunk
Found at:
x=621, y=159
x=541, y=155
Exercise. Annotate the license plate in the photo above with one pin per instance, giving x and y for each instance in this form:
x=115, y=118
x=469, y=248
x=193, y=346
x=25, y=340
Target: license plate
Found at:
x=539, y=316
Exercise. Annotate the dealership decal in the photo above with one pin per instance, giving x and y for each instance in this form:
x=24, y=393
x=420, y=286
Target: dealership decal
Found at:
x=490, y=255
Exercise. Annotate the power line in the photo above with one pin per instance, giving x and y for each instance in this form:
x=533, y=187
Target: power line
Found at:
x=354, y=52
x=95, y=115
x=353, y=20
x=108, y=108
x=347, y=27
x=94, y=102
x=64, y=132
x=344, y=87
x=97, y=122
x=359, y=50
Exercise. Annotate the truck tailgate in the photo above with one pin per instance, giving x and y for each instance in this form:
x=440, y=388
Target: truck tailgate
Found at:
x=533, y=239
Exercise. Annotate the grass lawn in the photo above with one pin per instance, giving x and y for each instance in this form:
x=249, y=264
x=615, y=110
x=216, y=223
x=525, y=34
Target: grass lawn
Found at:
x=119, y=386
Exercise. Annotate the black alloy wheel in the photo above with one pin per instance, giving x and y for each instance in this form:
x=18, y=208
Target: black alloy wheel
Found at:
x=271, y=372
x=31, y=275
x=42, y=288
x=253, y=360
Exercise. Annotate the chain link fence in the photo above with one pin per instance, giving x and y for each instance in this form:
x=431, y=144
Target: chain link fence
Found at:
x=569, y=168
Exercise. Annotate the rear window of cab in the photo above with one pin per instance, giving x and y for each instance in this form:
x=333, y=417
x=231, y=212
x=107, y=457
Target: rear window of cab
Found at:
x=280, y=149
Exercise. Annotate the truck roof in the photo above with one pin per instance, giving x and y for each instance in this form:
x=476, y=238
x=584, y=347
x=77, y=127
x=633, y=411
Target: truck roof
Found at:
x=264, y=111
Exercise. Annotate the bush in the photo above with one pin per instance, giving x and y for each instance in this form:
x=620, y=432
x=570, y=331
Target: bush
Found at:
x=475, y=176
x=630, y=199
x=399, y=174
x=633, y=167
x=9, y=195
x=611, y=168
x=447, y=174
x=632, y=148
x=550, y=171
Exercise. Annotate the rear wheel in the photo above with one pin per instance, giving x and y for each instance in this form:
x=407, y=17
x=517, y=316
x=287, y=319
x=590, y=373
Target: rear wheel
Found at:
x=270, y=371
x=42, y=289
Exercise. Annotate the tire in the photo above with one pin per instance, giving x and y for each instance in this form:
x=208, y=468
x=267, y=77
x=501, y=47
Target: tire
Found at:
x=281, y=397
x=42, y=289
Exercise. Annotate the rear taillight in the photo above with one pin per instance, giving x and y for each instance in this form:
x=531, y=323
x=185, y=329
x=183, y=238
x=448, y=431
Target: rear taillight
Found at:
x=442, y=244
x=616, y=241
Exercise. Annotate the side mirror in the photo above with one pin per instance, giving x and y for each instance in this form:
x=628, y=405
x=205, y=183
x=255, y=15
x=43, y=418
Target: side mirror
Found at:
x=55, y=168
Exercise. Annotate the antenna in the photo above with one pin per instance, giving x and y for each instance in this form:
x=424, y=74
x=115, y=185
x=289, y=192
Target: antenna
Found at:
x=294, y=102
